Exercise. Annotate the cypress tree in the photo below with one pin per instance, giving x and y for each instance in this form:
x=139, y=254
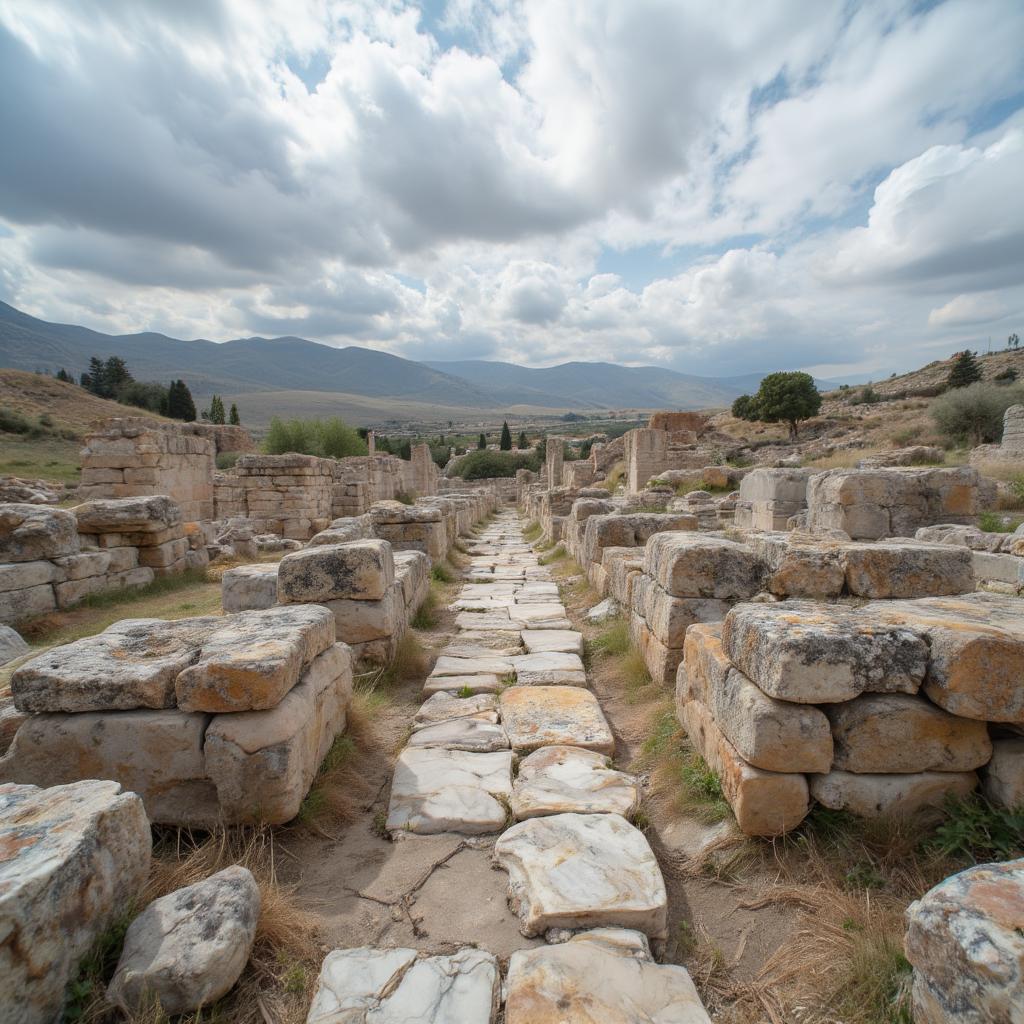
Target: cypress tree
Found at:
x=965, y=370
x=523, y=442
x=506, y=438
x=63, y=375
x=482, y=443
x=233, y=417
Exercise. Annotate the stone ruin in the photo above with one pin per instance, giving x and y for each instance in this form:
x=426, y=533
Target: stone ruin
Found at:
x=51, y=559
x=1011, y=448
x=211, y=721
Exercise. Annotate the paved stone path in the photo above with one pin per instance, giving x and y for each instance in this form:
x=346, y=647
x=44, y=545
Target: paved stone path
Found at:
x=512, y=685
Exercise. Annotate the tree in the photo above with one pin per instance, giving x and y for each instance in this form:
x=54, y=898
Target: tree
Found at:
x=523, y=442
x=180, y=405
x=146, y=395
x=233, y=417
x=331, y=438
x=115, y=376
x=63, y=375
x=745, y=408
x=216, y=412
x=974, y=414
x=966, y=370
x=786, y=398
x=482, y=443
x=94, y=379
x=505, y=444
x=1013, y=341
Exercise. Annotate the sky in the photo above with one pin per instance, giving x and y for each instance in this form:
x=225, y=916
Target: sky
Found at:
x=716, y=188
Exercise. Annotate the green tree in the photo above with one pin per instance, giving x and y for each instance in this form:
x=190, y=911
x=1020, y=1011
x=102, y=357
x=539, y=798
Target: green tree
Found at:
x=745, y=408
x=482, y=442
x=965, y=371
x=787, y=398
x=94, y=379
x=233, y=417
x=505, y=444
x=523, y=441
x=146, y=395
x=216, y=409
x=974, y=414
x=331, y=438
x=180, y=405
x=63, y=375
x=1013, y=341
x=115, y=376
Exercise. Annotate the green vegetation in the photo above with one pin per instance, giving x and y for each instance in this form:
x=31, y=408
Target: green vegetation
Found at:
x=233, y=418
x=505, y=444
x=782, y=398
x=532, y=531
x=965, y=371
x=331, y=438
x=481, y=443
x=973, y=414
x=215, y=414
x=49, y=457
x=992, y=522
x=978, y=831
x=613, y=639
x=481, y=465
x=12, y=422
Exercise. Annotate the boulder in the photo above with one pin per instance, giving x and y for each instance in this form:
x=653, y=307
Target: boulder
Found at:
x=362, y=570
x=187, y=949
x=32, y=532
x=71, y=859
x=1003, y=777
x=152, y=514
x=582, y=871
x=12, y=646
x=966, y=945
x=394, y=986
x=602, y=976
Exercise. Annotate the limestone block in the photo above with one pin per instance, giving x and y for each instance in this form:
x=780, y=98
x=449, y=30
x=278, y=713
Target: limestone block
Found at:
x=73, y=857
x=705, y=663
x=249, y=587
x=435, y=790
x=11, y=719
x=880, y=796
x=263, y=762
x=121, y=559
x=22, y=575
x=11, y=645
x=669, y=617
x=894, y=732
x=87, y=564
x=764, y=803
x=188, y=949
x=412, y=570
x=358, y=571
x=582, y=871
x=560, y=779
x=539, y=641
x=165, y=555
x=695, y=565
x=157, y=754
x=1003, y=778
x=131, y=664
x=615, y=970
x=254, y=658
x=781, y=485
x=17, y=605
x=471, y=734
x=544, y=716
x=446, y=707
x=662, y=662
x=813, y=654
x=549, y=669
x=361, y=621
x=29, y=533
x=150, y=514
x=965, y=943
x=800, y=569
x=893, y=570
x=394, y=986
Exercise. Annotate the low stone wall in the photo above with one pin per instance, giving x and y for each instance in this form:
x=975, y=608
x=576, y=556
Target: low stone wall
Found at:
x=141, y=457
x=875, y=709
x=51, y=559
x=209, y=720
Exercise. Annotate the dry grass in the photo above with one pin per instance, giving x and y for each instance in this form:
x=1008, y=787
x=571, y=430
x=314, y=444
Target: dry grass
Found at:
x=532, y=531
x=613, y=477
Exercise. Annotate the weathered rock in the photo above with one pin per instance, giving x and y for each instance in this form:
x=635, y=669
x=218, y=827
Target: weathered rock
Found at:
x=399, y=986
x=1003, y=777
x=131, y=664
x=879, y=796
x=446, y=666
x=249, y=587
x=965, y=941
x=358, y=622
x=447, y=707
x=549, y=669
x=71, y=859
x=764, y=803
x=894, y=732
x=479, y=682
x=254, y=659
x=556, y=780
x=809, y=654
x=461, y=734
x=582, y=871
x=358, y=571
x=545, y=716
x=188, y=949
x=32, y=532
x=152, y=514
x=435, y=790
x=603, y=611
x=893, y=570
x=669, y=617
x=544, y=641
x=12, y=646
x=800, y=567
x=695, y=565
x=603, y=976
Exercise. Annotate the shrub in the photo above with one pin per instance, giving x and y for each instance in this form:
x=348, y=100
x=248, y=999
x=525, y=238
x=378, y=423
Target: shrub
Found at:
x=227, y=460
x=1008, y=376
x=332, y=438
x=13, y=422
x=974, y=414
x=481, y=465
x=866, y=396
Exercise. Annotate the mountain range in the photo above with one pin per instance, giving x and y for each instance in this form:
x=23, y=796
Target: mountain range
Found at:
x=248, y=367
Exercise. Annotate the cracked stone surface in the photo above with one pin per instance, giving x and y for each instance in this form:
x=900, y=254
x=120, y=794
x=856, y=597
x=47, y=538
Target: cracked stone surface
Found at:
x=461, y=734
x=445, y=707
x=544, y=716
x=563, y=641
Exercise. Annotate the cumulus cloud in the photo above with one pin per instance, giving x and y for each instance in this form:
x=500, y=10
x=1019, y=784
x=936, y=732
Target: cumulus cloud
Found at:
x=825, y=183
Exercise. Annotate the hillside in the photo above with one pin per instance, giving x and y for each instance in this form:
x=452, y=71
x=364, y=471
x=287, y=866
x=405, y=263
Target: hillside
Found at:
x=929, y=380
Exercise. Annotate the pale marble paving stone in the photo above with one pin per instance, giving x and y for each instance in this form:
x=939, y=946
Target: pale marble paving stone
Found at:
x=582, y=871
x=468, y=734
x=484, y=620
x=480, y=683
x=549, y=669
x=446, y=666
x=603, y=976
x=545, y=716
x=556, y=780
x=467, y=646
x=435, y=790
x=543, y=641
x=402, y=986
x=446, y=707
x=481, y=603
x=528, y=616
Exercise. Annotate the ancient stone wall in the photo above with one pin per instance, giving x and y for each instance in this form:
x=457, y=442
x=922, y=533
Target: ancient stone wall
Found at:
x=51, y=559
x=554, y=454
x=874, y=709
x=770, y=497
x=138, y=457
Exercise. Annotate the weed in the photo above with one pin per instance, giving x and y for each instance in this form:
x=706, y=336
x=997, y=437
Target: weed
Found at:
x=442, y=573
x=379, y=825
x=686, y=939
x=295, y=979
x=613, y=639
x=464, y=692
x=614, y=477
x=89, y=984
x=426, y=616
x=978, y=831
x=993, y=522
x=864, y=875
x=532, y=531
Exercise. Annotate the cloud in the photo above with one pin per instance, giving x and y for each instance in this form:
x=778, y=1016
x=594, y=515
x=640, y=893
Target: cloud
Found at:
x=968, y=311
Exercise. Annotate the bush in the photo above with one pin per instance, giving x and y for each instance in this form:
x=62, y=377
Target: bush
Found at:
x=974, y=414
x=13, y=422
x=1008, y=376
x=866, y=396
x=331, y=438
x=227, y=460
x=483, y=465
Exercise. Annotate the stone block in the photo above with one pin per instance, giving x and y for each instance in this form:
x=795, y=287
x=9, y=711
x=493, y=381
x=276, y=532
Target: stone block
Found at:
x=544, y=716
x=11, y=645
x=22, y=575
x=893, y=570
x=249, y=587
x=73, y=857
x=894, y=732
x=88, y=564
x=1003, y=778
x=800, y=568
x=695, y=565
x=669, y=617
x=359, y=621
x=883, y=796
x=357, y=571
x=29, y=533
x=18, y=605
x=150, y=514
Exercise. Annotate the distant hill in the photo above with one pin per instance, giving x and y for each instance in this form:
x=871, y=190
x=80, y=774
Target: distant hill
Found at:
x=375, y=386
